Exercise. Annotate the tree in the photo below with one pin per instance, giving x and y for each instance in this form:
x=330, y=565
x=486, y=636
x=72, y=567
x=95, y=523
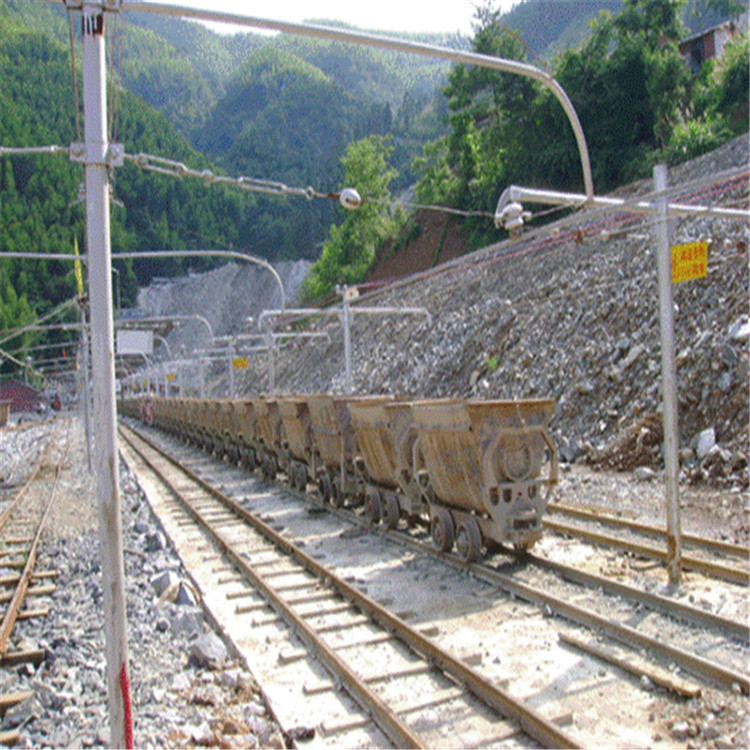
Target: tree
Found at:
x=350, y=249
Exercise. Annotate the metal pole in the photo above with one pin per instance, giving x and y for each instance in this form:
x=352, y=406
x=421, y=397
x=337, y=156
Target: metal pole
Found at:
x=271, y=362
x=669, y=382
x=85, y=389
x=102, y=361
x=119, y=300
x=347, y=346
x=230, y=356
x=202, y=367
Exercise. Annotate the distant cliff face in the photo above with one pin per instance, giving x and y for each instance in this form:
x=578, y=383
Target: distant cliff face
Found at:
x=224, y=297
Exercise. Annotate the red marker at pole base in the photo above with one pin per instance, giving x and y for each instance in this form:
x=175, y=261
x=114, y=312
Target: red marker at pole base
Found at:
x=125, y=688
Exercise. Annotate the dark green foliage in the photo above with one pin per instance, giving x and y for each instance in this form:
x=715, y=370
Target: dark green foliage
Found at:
x=550, y=25
x=351, y=248
x=36, y=193
x=630, y=88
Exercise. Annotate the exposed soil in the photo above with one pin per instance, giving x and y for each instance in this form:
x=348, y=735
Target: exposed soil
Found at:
x=440, y=239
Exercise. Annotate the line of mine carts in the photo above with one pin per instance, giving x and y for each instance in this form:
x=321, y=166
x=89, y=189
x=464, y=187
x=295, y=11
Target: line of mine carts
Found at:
x=477, y=473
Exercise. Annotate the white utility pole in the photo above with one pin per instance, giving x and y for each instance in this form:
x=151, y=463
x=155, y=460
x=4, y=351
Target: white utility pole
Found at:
x=85, y=386
x=97, y=156
x=669, y=381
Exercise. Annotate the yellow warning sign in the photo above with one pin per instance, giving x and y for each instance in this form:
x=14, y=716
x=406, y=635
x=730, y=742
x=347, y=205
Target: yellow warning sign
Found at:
x=689, y=261
x=239, y=363
x=171, y=377
x=77, y=268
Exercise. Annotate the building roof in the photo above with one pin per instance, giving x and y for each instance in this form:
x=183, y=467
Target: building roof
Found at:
x=21, y=397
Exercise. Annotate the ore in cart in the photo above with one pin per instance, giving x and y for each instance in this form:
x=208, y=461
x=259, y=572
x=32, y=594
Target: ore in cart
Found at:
x=297, y=440
x=268, y=436
x=387, y=442
x=484, y=461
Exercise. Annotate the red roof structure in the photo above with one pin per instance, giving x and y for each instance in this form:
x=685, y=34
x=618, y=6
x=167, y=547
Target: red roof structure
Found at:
x=21, y=397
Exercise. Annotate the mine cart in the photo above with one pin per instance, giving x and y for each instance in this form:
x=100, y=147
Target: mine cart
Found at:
x=327, y=444
x=171, y=415
x=189, y=422
x=227, y=429
x=202, y=423
x=213, y=427
x=297, y=440
x=268, y=435
x=247, y=439
x=483, y=462
x=146, y=410
x=158, y=413
x=386, y=436
x=338, y=475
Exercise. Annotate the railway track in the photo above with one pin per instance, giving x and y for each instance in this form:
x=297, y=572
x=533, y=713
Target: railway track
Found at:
x=532, y=580
x=22, y=522
x=726, y=561
x=345, y=628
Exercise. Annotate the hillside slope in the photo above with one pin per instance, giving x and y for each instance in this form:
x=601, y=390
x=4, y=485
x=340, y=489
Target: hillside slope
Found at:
x=571, y=312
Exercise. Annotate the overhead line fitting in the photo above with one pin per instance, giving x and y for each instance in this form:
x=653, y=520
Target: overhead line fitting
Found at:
x=348, y=197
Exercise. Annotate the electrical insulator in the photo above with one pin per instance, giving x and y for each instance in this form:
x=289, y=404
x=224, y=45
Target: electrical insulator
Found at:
x=350, y=199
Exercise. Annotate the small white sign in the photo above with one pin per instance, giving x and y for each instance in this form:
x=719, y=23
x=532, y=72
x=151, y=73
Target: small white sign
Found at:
x=135, y=342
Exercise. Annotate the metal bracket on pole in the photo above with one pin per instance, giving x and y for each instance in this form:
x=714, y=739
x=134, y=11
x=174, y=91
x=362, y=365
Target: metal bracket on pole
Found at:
x=110, y=155
x=509, y=213
x=344, y=314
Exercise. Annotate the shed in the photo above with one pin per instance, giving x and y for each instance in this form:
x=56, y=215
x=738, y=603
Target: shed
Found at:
x=20, y=396
x=705, y=45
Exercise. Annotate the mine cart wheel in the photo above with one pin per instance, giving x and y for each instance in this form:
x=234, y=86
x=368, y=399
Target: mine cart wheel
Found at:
x=291, y=475
x=523, y=548
x=301, y=477
x=469, y=540
x=269, y=467
x=337, y=495
x=324, y=486
x=443, y=529
x=389, y=510
x=372, y=506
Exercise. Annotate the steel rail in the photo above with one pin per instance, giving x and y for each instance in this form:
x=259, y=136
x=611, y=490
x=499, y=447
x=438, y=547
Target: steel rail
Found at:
x=647, y=598
x=602, y=516
x=735, y=575
x=623, y=633
x=531, y=722
x=12, y=610
x=6, y=513
x=655, y=601
x=388, y=722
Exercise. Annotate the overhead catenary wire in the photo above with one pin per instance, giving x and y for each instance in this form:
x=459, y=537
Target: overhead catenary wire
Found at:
x=15, y=332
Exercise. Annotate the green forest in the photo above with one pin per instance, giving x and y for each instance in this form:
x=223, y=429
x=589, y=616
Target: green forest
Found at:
x=328, y=115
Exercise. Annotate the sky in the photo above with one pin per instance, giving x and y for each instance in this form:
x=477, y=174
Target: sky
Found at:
x=382, y=15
